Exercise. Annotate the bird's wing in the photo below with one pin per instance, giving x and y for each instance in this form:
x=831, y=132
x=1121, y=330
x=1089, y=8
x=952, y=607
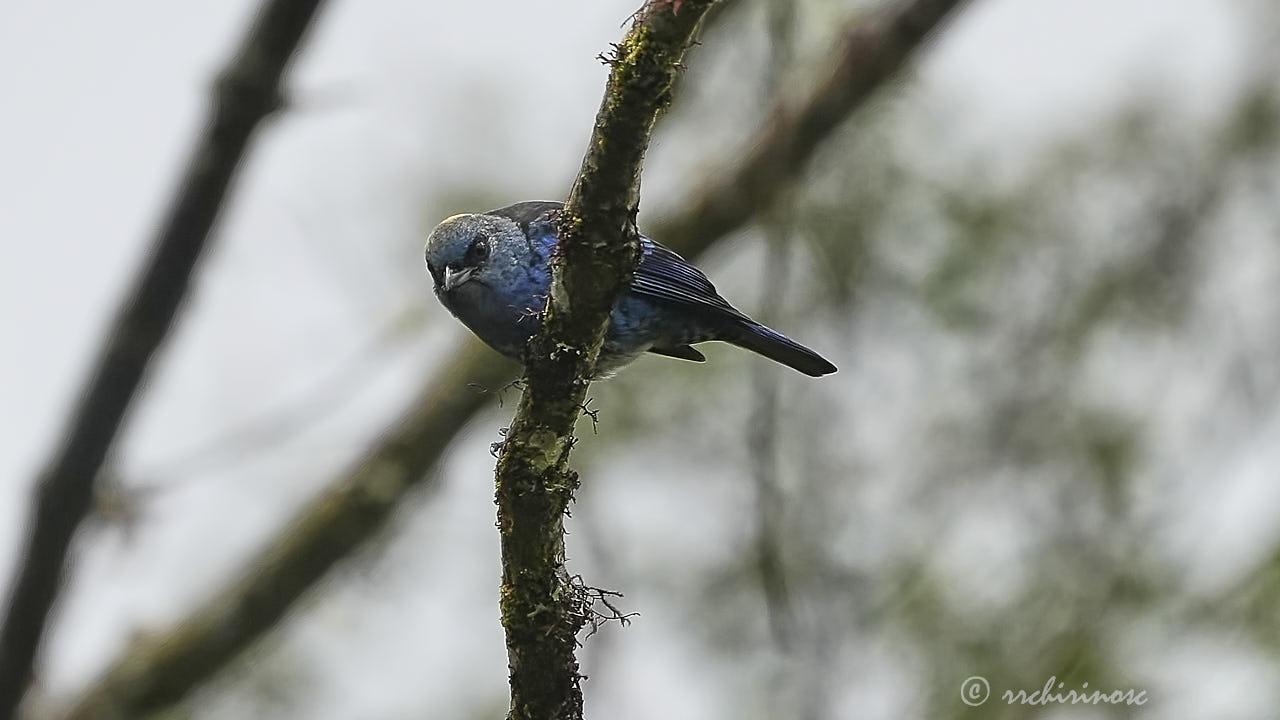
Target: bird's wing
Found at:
x=525, y=214
x=662, y=273
x=665, y=275
x=684, y=352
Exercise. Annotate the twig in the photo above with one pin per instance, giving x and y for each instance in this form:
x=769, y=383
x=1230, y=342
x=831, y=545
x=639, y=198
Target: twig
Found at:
x=159, y=670
x=762, y=425
x=272, y=426
x=247, y=92
x=584, y=599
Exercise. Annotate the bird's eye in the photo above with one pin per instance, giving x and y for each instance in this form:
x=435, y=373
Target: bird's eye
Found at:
x=478, y=252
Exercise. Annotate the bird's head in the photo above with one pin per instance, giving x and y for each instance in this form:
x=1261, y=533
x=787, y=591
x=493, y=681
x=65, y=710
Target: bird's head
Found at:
x=462, y=249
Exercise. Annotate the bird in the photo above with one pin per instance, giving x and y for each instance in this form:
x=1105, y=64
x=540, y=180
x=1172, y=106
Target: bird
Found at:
x=492, y=271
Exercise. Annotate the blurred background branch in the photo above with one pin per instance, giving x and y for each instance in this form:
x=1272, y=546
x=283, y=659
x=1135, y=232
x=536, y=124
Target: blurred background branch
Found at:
x=159, y=669
x=246, y=93
x=873, y=51
x=763, y=423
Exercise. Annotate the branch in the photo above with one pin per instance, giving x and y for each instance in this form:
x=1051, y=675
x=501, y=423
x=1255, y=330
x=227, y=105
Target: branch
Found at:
x=865, y=58
x=160, y=669
x=246, y=93
x=762, y=425
x=597, y=254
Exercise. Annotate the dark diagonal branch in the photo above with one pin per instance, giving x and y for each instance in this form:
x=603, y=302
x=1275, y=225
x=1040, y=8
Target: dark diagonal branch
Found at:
x=866, y=57
x=247, y=92
x=159, y=670
x=162, y=668
x=597, y=254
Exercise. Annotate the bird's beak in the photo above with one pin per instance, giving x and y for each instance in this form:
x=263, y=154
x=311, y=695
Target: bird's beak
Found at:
x=453, y=277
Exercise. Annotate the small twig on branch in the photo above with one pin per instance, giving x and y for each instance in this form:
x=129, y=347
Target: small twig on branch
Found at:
x=270, y=427
x=501, y=393
x=586, y=602
x=247, y=92
x=159, y=670
x=593, y=413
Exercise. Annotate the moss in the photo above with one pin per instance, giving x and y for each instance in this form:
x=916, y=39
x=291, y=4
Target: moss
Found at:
x=540, y=611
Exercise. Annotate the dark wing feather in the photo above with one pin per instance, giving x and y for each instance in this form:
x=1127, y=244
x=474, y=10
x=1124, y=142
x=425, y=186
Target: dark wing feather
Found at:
x=525, y=214
x=665, y=275
x=684, y=352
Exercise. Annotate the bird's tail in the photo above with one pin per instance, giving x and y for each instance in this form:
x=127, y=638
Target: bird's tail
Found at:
x=778, y=347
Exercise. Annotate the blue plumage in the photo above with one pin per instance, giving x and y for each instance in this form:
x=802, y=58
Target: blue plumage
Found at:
x=493, y=272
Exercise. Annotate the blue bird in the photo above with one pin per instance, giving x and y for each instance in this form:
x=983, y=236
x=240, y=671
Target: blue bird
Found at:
x=493, y=272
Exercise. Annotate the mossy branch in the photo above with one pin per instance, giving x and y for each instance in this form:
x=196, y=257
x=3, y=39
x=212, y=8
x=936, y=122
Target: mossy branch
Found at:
x=598, y=252
x=160, y=669
x=247, y=91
